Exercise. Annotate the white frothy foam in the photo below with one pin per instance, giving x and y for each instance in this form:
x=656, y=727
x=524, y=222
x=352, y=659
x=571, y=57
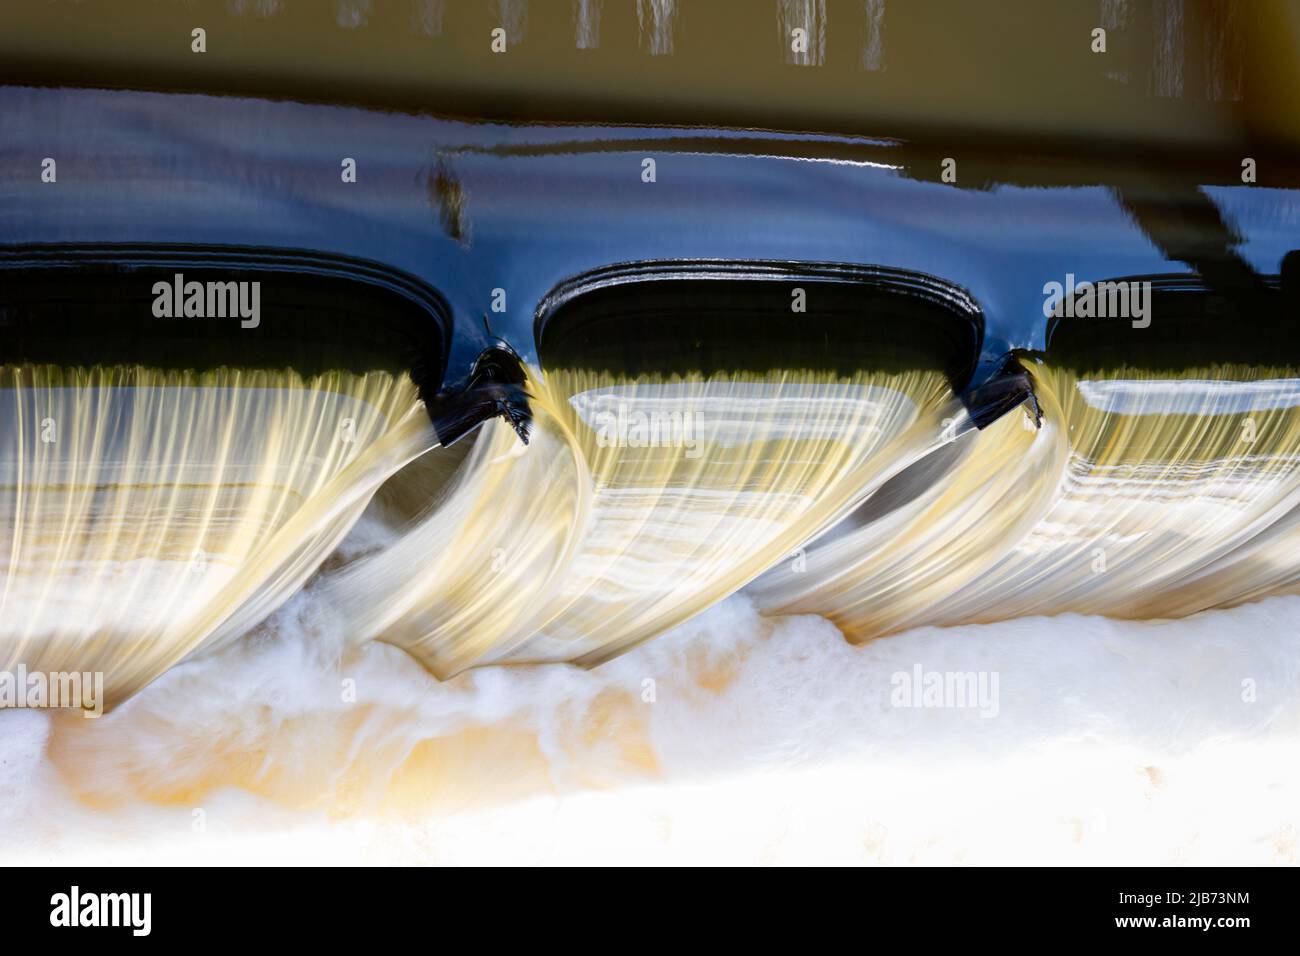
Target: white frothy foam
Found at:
x=767, y=740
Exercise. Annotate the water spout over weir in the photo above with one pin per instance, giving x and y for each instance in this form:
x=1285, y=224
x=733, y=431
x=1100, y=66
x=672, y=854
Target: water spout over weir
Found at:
x=637, y=504
x=153, y=515
x=145, y=515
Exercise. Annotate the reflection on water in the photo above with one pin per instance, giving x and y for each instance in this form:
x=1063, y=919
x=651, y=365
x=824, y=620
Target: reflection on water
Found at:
x=656, y=20
x=512, y=16
x=1168, y=49
x=808, y=17
x=351, y=14
x=427, y=16
x=873, y=39
x=586, y=24
x=1020, y=68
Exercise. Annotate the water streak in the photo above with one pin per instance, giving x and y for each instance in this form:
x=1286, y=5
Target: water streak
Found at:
x=1145, y=495
x=144, y=514
x=638, y=503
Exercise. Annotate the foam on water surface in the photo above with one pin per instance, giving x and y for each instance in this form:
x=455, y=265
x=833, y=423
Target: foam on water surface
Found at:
x=760, y=739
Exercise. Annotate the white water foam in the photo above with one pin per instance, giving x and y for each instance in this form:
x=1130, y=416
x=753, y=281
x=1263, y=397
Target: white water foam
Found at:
x=767, y=740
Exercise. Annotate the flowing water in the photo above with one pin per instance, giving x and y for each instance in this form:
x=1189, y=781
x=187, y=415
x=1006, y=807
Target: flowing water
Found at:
x=1143, y=495
x=146, y=514
x=696, y=616
x=152, y=515
x=152, y=518
x=637, y=504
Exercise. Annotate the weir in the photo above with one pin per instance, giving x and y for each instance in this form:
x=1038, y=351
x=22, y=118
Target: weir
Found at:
x=1179, y=494
x=167, y=481
x=1146, y=494
x=152, y=513
x=576, y=549
x=674, y=455
x=146, y=514
x=938, y=526
x=770, y=370
x=657, y=462
x=480, y=430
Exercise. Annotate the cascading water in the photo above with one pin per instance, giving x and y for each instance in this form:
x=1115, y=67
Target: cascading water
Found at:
x=146, y=514
x=793, y=425
x=637, y=504
x=151, y=515
x=1178, y=494
x=939, y=526
x=1144, y=495
x=870, y=499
